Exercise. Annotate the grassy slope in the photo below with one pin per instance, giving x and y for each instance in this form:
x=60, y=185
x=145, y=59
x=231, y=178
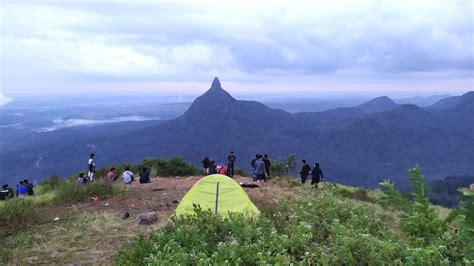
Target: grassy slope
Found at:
x=92, y=232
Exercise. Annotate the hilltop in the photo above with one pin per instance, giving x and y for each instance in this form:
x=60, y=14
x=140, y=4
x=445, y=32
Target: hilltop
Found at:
x=73, y=228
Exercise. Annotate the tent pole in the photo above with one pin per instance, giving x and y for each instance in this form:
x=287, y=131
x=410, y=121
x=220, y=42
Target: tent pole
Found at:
x=217, y=196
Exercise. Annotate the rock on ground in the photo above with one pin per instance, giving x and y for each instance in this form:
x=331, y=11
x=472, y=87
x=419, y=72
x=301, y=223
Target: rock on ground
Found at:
x=146, y=218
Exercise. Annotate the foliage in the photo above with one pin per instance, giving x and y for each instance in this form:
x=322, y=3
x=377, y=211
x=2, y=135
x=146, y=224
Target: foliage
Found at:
x=71, y=192
x=420, y=222
x=49, y=185
x=467, y=207
x=174, y=166
x=283, y=166
x=18, y=213
x=316, y=230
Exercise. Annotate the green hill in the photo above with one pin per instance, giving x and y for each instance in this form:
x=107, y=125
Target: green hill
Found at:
x=335, y=224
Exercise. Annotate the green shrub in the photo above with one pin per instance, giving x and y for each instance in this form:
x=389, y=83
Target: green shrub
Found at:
x=49, y=184
x=174, y=166
x=18, y=213
x=318, y=230
x=467, y=207
x=71, y=192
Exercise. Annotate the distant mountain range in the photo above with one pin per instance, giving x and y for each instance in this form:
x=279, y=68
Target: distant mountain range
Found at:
x=356, y=145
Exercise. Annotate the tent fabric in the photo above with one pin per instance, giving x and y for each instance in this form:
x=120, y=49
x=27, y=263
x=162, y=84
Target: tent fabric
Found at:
x=231, y=197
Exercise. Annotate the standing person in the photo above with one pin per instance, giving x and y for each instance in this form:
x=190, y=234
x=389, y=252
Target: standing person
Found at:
x=112, y=175
x=259, y=171
x=6, y=192
x=317, y=175
x=212, y=168
x=29, y=186
x=82, y=180
x=206, y=164
x=127, y=176
x=145, y=176
x=22, y=190
x=304, y=172
x=252, y=163
x=230, y=164
x=267, y=164
x=91, y=166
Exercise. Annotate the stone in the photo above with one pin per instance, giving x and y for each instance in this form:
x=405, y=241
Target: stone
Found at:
x=124, y=215
x=175, y=201
x=146, y=218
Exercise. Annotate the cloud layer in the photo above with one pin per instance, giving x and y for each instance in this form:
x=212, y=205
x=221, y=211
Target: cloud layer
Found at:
x=88, y=42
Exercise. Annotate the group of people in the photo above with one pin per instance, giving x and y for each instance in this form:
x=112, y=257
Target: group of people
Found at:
x=112, y=176
x=23, y=189
x=210, y=167
x=316, y=173
x=260, y=168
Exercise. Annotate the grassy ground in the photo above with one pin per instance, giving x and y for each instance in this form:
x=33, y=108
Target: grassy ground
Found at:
x=92, y=232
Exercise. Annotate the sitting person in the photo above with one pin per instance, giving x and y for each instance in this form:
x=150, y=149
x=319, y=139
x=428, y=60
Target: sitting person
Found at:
x=29, y=186
x=6, y=192
x=112, y=175
x=145, y=176
x=222, y=170
x=212, y=168
x=82, y=179
x=127, y=176
x=22, y=190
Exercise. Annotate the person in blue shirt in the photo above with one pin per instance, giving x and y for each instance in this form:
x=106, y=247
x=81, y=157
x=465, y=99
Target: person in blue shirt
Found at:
x=22, y=190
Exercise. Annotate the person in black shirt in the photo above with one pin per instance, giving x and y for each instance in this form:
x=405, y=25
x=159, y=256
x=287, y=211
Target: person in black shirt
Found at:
x=205, y=164
x=304, y=172
x=230, y=164
x=29, y=186
x=267, y=165
x=317, y=175
x=212, y=168
x=6, y=192
x=144, y=176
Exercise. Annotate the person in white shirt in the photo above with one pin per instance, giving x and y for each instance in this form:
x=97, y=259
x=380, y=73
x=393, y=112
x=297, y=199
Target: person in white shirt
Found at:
x=91, y=173
x=127, y=176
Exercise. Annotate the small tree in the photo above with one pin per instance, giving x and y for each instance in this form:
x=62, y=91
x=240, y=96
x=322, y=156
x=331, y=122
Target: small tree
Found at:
x=467, y=224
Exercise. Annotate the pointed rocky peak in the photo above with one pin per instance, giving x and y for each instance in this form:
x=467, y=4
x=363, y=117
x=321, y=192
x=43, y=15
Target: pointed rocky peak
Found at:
x=216, y=84
x=379, y=104
x=216, y=98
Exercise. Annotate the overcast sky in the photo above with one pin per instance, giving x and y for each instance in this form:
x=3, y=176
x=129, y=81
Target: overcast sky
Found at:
x=276, y=47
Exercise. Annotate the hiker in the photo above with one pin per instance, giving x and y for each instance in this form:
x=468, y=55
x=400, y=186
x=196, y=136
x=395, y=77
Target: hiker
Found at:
x=212, y=168
x=145, y=176
x=127, y=176
x=317, y=175
x=6, y=192
x=112, y=175
x=206, y=164
x=304, y=172
x=22, y=190
x=252, y=163
x=82, y=180
x=267, y=164
x=222, y=170
x=29, y=186
x=91, y=167
x=259, y=169
x=230, y=164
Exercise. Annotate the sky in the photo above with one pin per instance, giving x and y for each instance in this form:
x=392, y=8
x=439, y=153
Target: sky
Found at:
x=304, y=48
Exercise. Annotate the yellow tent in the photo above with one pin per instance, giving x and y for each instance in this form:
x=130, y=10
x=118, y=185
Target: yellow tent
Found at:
x=219, y=193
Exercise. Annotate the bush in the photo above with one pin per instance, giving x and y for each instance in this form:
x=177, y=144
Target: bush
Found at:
x=318, y=230
x=18, y=213
x=70, y=192
x=174, y=166
x=49, y=184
